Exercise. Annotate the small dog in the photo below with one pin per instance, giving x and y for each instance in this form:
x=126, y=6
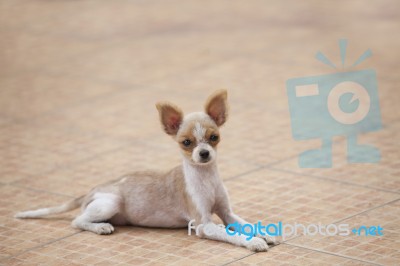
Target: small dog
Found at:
x=191, y=191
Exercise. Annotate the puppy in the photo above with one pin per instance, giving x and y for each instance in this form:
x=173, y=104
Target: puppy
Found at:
x=191, y=191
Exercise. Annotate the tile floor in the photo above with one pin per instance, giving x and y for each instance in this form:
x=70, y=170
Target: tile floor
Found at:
x=78, y=83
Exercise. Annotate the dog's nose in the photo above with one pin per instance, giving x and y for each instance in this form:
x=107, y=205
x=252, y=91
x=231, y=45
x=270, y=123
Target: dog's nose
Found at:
x=204, y=154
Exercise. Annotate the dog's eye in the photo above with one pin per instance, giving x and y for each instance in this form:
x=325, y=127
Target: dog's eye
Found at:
x=213, y=137
x=186, y=142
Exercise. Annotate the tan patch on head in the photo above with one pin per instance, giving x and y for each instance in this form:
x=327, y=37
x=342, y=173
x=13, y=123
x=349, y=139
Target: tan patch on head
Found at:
x=209, y=133
x=196, y=127
x=187, y=150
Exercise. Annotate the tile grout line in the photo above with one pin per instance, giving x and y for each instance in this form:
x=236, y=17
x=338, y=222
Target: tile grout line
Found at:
x=234, y=177
x=228, y=179
x=368, y=210
x=299, y=246
x=47, y=73
x=123, y=87
x=333, y=254
x=248, y=255
x=238, y=176
x=351, y=216
x=39, y=246
x=286, y=242
x=77, y=163
x=13, y=183
x=258, y=168
x=230, y=262
x=64, y=195
x=41, y=190
x=331, y=179
x=346, y=218
x=64, y=108
x=268, y=166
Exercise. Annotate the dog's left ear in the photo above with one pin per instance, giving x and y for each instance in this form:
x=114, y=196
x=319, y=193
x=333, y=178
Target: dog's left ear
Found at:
x=217, y=107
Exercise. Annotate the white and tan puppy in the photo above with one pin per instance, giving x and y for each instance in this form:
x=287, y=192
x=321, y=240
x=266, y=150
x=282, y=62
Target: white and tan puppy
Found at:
x=191, y=191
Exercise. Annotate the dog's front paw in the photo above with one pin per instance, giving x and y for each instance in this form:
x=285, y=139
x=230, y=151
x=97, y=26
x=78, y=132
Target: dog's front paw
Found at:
x=257, y=244
x=272, y=241
x=104, y=229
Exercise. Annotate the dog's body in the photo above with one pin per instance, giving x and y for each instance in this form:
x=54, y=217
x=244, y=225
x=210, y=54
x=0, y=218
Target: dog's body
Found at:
x=191, y=191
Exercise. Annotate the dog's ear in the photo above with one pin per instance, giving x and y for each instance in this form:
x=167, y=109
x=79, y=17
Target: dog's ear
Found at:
x=217, y=107
x=170, y=116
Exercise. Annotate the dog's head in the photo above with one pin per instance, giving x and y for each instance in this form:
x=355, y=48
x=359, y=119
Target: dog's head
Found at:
x=196, y=133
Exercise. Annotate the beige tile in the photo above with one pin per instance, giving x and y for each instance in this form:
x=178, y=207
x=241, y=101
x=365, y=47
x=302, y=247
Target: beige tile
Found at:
x=97, y=166
x=383, y=175
x=24, y=51
x=127, y=114
x=290, y=255
x=88, y=248
x=133, y=20
x=34, y=149
x=77, y=95
x=376, y=249
x=19, y=235
x=138, y=60
x=17, y=16
x=31, y=94
x=273, y=196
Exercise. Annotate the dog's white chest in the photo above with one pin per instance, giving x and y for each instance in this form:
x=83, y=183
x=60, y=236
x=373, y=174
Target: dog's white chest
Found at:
x=201, y=186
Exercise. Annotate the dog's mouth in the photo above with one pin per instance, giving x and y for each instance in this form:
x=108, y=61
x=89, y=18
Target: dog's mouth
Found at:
x=202, y=161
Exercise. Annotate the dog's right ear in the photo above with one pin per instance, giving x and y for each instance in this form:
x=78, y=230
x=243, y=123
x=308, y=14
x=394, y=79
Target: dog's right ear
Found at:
x=170, y=116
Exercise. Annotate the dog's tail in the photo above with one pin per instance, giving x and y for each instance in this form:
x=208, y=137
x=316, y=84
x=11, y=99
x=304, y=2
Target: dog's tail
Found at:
x=71, y=205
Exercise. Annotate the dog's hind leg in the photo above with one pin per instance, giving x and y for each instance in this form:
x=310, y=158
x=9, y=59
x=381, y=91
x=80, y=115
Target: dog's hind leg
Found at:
x=103, y=207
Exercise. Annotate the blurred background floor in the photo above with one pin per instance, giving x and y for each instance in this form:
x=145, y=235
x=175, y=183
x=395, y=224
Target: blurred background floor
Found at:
x=78, y=85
